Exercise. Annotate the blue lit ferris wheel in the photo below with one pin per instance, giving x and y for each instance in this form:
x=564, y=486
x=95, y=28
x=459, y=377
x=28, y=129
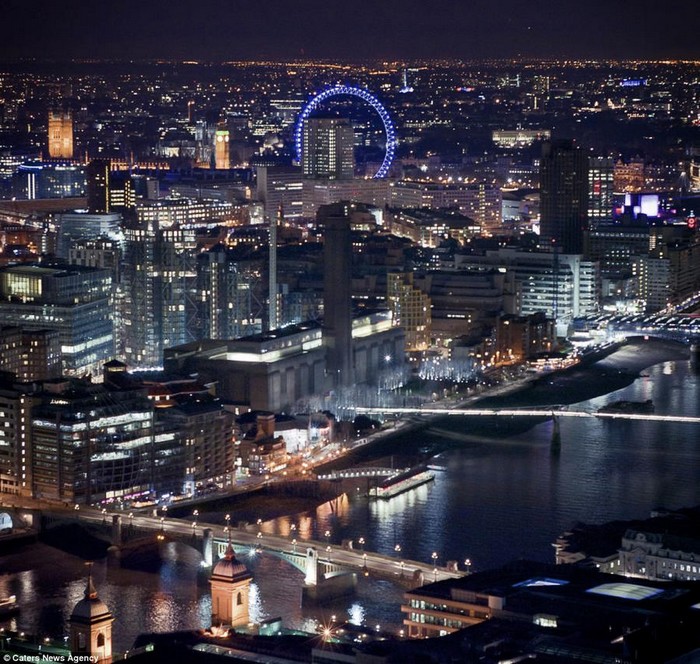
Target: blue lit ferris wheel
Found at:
x=336, y=91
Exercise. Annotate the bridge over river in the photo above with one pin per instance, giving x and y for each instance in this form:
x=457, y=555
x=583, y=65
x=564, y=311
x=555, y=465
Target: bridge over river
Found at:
x=551, y=412
x=318, y=560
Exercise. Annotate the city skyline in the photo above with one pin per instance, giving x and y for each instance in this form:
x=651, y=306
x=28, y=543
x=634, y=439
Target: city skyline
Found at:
x=220, y=30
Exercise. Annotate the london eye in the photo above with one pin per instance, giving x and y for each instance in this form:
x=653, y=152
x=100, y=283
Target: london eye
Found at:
x=341, y=90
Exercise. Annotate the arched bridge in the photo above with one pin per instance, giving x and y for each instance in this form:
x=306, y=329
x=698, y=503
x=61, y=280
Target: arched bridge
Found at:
x=316, y=560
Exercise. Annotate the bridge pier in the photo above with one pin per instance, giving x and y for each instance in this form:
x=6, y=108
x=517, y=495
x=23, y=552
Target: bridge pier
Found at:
x=556, y=432
x=695, y=356
x=117, y=535
x=208, y=547
x=311, y=578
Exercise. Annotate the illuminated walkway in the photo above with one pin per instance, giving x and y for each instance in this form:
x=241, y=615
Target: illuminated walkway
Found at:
x=555, y=411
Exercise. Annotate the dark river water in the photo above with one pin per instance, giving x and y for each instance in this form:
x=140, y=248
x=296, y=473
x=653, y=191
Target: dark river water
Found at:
x=502, y=494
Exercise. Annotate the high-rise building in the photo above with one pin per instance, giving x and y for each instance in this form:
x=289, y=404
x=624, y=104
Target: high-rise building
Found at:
x=73, y=300
x=564, y=195
x=600, y=190
x=328, y=151
x=60, y=135
x=337, y=291
x=224, y=295
x=98, y=186
x=15, y=438
x=158, y=280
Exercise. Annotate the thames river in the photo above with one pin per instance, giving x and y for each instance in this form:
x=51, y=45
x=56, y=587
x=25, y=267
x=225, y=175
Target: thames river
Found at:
x=501, y=493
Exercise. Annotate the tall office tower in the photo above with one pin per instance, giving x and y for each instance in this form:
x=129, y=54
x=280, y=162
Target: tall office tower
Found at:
x=158, y=282
x=600, y=190
x=222, y=154
x=225, y=295
x=73, y=300
x=15, y=438
x=98, y=185
x=564, y=196
x=334, y=219
x=60, y=135
x=328, y=149
x=273, y=304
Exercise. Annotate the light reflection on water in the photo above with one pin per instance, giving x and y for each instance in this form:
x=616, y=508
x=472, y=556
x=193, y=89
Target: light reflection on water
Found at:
x=176, y=598
x=497, y=499
x=504, y=498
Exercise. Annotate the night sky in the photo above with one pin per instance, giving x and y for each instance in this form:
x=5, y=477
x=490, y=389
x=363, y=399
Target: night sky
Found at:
x=364, y=29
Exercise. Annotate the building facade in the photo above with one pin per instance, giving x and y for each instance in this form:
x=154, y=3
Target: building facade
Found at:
x=60, y=135
x=564, y=196
x=73, y=300
x=328, y=151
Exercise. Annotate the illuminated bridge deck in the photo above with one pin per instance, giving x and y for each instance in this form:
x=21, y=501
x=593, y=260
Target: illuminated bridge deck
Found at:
x=555, y=411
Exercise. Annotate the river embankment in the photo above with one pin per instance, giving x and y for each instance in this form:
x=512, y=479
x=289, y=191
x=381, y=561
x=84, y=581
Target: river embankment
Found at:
x=617, y=370
x=405, y=445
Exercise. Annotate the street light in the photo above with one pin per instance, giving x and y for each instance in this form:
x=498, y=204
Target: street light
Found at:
x=104, y=516
x=435, y=556
x=365, y=571
x=361, y=542
x=328, y=552
x=228, y=522
x=294, y=545
x=468, y=565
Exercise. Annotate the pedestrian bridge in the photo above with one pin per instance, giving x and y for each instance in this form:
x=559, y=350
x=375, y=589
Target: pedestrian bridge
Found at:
x=552, y=412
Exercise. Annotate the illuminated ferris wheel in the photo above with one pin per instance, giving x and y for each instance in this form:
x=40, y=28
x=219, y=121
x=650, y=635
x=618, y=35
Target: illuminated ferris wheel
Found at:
x=337, y=91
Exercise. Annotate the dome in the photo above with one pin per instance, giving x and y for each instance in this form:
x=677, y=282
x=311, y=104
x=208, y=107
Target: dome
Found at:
x=91, y=608
x=229, y=568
